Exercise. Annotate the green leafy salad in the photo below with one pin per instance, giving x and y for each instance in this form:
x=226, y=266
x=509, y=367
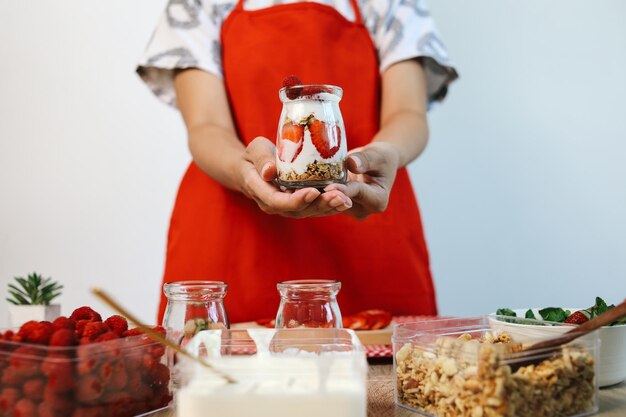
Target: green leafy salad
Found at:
x=557, y=314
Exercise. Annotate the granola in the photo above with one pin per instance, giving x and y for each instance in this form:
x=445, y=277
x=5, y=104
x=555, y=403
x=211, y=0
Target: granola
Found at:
x=317, y=171
x=466, y=377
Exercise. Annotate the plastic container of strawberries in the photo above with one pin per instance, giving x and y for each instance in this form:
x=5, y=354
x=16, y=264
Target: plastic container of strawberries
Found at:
x=106, y=375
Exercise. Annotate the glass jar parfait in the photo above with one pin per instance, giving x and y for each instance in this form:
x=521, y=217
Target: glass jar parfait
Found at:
x=193, y=306
x=311, y=144
x=308, y=303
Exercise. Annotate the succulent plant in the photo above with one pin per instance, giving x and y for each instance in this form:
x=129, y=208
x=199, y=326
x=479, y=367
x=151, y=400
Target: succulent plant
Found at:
x=34, y=290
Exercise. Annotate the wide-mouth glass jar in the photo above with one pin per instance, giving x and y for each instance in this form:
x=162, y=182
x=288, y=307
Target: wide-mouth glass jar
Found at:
x=308, y=303
x=193, y=306
x=311, y=143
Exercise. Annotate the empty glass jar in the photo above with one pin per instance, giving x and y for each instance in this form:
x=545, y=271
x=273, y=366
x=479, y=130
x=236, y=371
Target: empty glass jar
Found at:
x=193, y=306
x=308, y=303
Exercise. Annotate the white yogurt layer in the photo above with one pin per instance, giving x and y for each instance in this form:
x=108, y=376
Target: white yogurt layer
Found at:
x=287, y=384
x=325, y=111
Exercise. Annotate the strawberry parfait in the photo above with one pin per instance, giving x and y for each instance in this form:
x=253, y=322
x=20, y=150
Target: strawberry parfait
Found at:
x=310, y=145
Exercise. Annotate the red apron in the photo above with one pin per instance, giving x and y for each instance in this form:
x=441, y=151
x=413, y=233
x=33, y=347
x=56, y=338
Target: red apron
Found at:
x=218, y=234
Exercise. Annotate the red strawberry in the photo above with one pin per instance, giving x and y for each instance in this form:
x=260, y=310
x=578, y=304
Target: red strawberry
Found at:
x=160, y=375
x=8, y=398
x=119, y=404
x=291, y=81
x=88, y=412
x=117, y=324
x=326, y=139
x=46, y=410
x=293, y=133
x=24, y=331
x=24, y=408
x=40, y=334
x=61, y=379
x=94, y=329
x=89, y=388
x=25, y=360
x=119, y=378
x=62, y=403
x=132, y=332
x=160, y=330
x=85, y=313
x=33, y=389
x=63, y=323
x=267, y=322
x=578, y=317
x=63, y=337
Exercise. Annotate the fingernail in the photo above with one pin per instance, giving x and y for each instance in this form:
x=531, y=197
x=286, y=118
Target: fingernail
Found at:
x=344, y=206
x=357, y=161
x=336, y=202
x=312, y=195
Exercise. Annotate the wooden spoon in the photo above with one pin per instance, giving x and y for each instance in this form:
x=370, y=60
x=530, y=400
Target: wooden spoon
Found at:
x=538, y=350
x=157, y=337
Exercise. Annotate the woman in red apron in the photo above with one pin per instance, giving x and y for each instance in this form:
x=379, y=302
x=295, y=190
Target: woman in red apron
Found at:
x=221, y=227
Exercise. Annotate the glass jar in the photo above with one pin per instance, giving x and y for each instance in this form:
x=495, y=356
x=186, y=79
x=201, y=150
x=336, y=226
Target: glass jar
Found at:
x=308, y=303
x=311, y=144
x=193, y=306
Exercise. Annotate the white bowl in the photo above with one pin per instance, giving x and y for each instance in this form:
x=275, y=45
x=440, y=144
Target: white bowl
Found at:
x=611, y=367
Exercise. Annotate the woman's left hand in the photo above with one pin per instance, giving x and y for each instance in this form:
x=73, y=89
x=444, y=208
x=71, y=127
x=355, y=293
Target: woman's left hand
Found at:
x=372, y=171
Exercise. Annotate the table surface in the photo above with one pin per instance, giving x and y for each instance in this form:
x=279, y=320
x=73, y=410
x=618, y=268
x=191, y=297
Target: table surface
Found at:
x=380, y=403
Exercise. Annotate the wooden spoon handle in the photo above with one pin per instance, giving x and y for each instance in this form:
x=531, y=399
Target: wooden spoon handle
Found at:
x=603, y=319
x=156, y=336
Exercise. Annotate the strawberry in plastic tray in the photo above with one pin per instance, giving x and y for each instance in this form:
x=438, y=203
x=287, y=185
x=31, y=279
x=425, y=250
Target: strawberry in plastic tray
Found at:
x=81, y=366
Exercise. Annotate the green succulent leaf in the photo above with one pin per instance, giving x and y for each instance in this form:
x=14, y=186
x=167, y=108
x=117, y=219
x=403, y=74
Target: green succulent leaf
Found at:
x=34, y=290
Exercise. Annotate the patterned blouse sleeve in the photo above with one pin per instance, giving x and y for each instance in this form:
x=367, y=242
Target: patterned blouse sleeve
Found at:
x=187, y=35
x=404, y=29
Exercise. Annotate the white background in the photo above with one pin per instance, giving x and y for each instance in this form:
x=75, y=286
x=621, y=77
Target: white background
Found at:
x=522, y=187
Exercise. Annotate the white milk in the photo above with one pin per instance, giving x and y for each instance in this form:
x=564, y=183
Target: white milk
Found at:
x=287, y=384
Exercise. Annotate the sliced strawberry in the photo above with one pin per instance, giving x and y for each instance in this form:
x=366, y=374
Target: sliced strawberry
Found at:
x=376, y=318
x=291, y=81
x=355, y=322
x=577, y=317
x=291, y=142
x=326, y=139
x=269, y=323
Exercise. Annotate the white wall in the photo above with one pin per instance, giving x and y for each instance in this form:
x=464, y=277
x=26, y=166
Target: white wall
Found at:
x=522, y=188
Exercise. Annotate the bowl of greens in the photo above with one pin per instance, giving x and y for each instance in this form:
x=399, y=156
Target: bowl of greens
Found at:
x=611, y=367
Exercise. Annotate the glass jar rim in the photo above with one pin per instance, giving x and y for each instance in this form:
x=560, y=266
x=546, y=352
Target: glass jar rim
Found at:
x=190, y=285
x=331, y=92
x=305, y=284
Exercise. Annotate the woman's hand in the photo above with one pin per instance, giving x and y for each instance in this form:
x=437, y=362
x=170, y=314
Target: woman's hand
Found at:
x=257, y=171
x=372, y=171
x=402, y=137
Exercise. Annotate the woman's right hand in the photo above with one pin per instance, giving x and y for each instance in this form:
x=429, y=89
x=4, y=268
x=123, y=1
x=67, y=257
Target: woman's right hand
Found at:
x=257, y=172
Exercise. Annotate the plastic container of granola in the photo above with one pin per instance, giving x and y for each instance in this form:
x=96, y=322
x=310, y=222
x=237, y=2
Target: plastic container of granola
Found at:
x=467, y=367
x=117, y=378
x=311, y=144
x=277, y=373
